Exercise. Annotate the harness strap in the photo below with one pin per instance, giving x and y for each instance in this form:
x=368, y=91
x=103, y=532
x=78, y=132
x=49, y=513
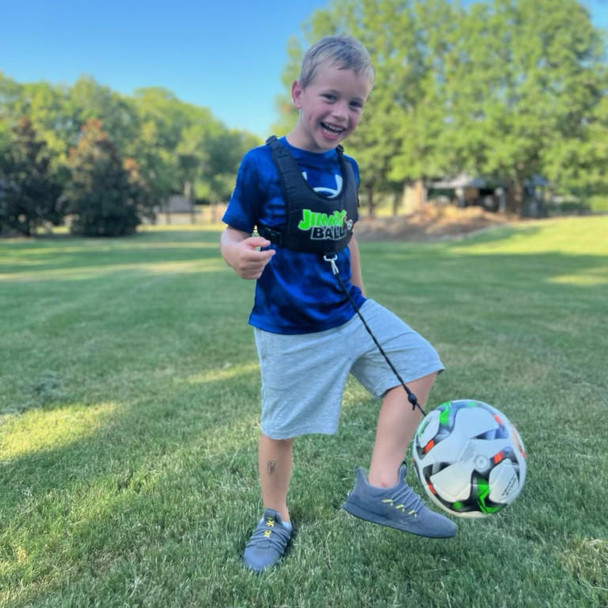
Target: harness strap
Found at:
x=289, y=174
x=274, y=236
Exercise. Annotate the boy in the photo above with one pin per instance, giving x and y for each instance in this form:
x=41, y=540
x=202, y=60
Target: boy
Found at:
x=307, y=334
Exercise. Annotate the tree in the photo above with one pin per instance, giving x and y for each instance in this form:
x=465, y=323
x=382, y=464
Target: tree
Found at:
x=525, y=79
x=30, y=194
x=222, y=153
x=10, y=92
x=288, y=115
x=86, y=100
x=498, y=89
x=170, y=145
x=105, y=197
x=399, y=139
x=581, y=163
x=208, y=156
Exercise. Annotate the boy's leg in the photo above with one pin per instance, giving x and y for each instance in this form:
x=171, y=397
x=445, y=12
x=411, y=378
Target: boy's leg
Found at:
x=273, y=532
x=385, y=498
x=292, y=405
x=397, y=423
x=274, y=464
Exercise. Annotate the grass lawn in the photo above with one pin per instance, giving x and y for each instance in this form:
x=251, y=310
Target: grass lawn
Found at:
x=129, y=425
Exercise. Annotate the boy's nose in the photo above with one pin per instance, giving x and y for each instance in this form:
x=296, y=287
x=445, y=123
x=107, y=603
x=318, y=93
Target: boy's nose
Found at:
x=340, y=110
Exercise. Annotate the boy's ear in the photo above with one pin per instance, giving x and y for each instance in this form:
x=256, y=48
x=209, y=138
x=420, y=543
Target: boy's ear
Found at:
x=296, y=94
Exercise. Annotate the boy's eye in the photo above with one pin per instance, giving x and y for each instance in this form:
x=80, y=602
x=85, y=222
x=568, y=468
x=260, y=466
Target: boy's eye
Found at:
x=329, y=96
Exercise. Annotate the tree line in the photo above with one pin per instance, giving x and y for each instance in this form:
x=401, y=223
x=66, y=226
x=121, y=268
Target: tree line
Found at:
x=504, y=89
x=105, y=160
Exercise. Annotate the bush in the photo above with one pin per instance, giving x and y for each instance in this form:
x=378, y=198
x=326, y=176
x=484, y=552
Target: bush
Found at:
x=103, y=198
x=29, y=192
x=598, y=204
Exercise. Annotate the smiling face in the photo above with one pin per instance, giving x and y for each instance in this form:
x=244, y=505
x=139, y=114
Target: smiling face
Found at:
x=330, y=108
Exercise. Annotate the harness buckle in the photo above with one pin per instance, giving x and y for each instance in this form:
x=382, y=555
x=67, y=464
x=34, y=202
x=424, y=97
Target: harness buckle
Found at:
x=332, y=261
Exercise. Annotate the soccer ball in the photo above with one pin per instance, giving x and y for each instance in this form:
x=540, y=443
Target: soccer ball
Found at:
x=469, y=458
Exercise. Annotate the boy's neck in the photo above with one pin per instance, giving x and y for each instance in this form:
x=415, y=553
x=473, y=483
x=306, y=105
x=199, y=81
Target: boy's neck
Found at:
x=294, y=141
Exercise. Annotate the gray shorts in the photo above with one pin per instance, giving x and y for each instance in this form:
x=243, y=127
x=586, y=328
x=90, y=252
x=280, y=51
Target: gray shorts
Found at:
x=303, y=376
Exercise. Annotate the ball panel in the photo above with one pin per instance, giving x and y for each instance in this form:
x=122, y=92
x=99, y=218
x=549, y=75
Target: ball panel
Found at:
x=474, y=422
x=453, y=483
x=504, y=483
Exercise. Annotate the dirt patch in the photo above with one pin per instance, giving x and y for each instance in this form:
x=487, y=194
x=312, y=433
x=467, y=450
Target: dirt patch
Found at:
x=431, y=223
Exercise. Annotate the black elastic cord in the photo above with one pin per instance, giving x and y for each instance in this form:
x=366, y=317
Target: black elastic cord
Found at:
x=410, y=396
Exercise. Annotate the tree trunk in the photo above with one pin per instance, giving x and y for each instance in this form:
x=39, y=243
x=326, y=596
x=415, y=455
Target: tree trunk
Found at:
x=515, y=197
x=189, y=196
x=371, y=205
x=396, y=203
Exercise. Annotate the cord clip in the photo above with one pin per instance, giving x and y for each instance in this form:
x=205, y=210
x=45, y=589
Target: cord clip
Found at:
x=332, y=261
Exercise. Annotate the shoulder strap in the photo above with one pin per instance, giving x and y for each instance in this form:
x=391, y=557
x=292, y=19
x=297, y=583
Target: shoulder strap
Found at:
x=290, y=176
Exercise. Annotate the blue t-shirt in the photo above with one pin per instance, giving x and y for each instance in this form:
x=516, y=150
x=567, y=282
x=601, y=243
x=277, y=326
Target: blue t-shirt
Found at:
x=297, y=292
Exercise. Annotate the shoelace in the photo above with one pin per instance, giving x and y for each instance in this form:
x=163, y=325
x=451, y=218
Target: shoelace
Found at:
x=273, y=532
x=406, y=500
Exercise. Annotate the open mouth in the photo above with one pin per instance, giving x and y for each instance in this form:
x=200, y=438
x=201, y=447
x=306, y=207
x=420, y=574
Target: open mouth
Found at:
x=334, y=130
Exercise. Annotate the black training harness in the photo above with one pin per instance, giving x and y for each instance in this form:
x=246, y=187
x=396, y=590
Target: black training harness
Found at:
x=313, y=222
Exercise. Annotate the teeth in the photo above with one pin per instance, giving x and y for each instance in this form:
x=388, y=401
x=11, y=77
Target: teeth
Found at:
x=332, y=128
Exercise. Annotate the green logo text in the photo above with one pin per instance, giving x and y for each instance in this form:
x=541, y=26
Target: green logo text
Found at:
x=323, y=226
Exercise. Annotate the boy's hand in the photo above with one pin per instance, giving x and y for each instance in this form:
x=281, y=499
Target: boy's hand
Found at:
x=242, y=253
x=250, y=261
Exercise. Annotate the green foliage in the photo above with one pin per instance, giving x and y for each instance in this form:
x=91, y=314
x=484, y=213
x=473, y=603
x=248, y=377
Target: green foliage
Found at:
x=221, y=155
x=175, y=147
x=43, y=104
x=528, y=79
x=569, y=207
x=130, y=411
x=182, y=148
x=87, y=100
x=29, y=192
x=288, y=115
x=507, y=89
x=599, y=203
x=583, y=203
x=103, y=198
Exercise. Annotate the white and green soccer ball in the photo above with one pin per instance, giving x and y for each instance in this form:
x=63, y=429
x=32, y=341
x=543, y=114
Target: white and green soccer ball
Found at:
x=469, y=458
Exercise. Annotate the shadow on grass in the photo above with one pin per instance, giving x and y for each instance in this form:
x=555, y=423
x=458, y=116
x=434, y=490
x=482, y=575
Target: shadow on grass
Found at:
x=35, y=257
x=152, y=472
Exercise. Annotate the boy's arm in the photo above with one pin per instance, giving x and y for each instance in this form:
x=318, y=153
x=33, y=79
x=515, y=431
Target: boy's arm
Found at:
x=355, y=264
x=241, y=252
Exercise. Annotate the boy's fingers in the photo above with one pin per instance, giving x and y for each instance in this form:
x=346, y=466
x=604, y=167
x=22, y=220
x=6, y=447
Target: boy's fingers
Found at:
x=256, y=257
x=267, y=254
x=253, y=244
x=256, y=241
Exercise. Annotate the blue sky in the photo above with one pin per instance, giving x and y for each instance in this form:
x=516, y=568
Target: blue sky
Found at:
x=227, y=55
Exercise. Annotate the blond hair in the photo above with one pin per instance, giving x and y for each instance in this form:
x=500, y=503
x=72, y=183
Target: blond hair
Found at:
x=344, y=51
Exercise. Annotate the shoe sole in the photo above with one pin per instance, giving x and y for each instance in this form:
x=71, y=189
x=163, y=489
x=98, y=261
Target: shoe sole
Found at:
x=374, y=518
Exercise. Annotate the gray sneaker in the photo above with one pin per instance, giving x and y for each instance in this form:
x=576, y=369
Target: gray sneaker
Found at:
x=397, y=507
x=268, y=542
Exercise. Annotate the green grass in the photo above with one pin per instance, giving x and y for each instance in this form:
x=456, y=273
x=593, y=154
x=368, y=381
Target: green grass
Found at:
x=129, y=424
